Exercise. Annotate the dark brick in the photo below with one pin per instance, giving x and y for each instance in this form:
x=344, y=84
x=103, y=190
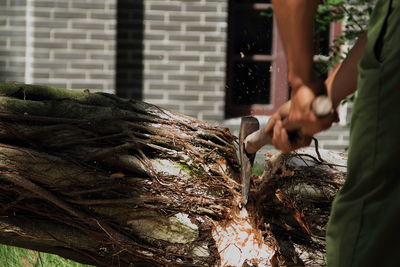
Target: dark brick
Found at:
x=77, y=4
x=101, y=56
x=183, y=18
x=16, y=22
x=45, y=35
x=152, y=17
x=15, y=43
x=50, y=65
x=70, y=35
x=214, y=79
x=153, y=76
x=50, y=45
x=6, y=12
x=102, y=76
x=168, y=67
x=18, y=3
x=41, y=14
x=88, y=25
x=190, y=38
x=12, y=75
x=200, y=48
x=165, y=47
x=216, y=19
x=10, y=33
x=215, y=38
x=183, y=97
x=164, y=86
x=12, y=53
x=200, y=68
x=201, y=28
x=68, y=55
x=183, y=77
x=14, y=64
x=153, y=57
x=213, y=98
x=50, y=4
x=208, y=88
x=41, y=75
x=154, y=37
x=65, y=75
x=88, y=46
x=201, y=8
x=164, y=27
x=88, y=66
x=214, y=59
x=50, y=25
x=69, y=15
x=97, y=36
x=184, y=58
x=170, y=7
x=41, y=55
x=103, y=16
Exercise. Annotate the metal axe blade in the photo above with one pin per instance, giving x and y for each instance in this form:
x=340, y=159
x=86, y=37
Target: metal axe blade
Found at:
x=248, y=125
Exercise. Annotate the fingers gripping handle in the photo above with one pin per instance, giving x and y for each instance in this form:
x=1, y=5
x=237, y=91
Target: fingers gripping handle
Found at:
x=256, y=140
x=321, y=106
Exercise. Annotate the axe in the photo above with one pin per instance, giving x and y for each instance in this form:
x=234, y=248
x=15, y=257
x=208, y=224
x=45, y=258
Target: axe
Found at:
x=251, y=139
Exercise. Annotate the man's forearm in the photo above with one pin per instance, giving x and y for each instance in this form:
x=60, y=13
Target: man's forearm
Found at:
x=343, y=80
x=295, y=19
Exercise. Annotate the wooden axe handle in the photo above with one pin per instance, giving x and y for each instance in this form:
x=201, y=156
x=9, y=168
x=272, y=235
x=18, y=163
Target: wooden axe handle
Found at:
x=321, y=106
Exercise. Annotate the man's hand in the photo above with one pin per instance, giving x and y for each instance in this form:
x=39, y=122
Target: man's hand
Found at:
x=301, y=117
x=294, y=124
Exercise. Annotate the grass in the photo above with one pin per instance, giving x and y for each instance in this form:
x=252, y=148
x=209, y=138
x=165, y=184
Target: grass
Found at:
x=257, y=169
x=18, y=257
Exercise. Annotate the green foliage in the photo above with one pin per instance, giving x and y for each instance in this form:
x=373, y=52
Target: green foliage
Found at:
x=354, y=14
x=18, y=257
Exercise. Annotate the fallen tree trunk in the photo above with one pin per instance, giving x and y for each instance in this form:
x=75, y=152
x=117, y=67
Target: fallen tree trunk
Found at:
x=114, y=182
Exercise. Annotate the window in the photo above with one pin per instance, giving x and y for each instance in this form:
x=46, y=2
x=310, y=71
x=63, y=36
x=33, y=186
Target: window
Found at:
x=255, y=60
x=256, y=65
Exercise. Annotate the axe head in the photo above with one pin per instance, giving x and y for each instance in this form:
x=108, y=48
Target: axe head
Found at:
x=248, y=125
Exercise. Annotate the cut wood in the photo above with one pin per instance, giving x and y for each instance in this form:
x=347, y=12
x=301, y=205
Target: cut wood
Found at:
x=115, y=182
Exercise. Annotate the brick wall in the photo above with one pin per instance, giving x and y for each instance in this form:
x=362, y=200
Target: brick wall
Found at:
x=64, y=43
x=13, y=40
x=73, y=43
x=184, y=52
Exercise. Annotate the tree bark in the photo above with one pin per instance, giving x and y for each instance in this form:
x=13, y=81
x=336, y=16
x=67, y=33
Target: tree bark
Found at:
x=114, y=182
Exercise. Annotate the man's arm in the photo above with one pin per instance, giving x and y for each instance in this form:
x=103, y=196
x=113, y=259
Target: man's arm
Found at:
x=343, y=80
x=340, y=83
x=295, y=20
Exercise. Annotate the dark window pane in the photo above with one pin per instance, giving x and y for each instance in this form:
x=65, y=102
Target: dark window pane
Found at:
x=252, y=32
x=321, y=43
x=251, y=83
